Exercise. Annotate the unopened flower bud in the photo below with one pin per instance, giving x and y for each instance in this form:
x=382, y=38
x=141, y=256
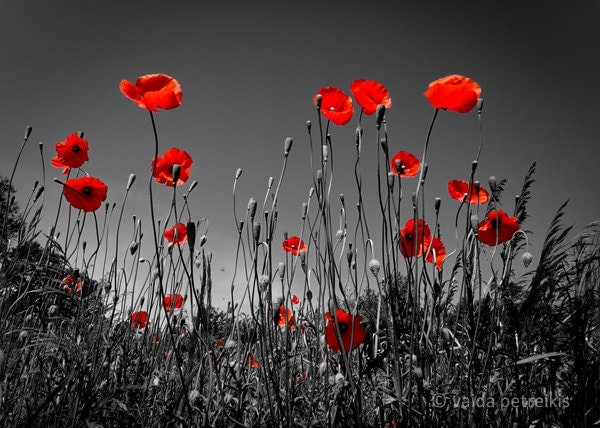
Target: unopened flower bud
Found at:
x=493, y=183
x=41, y=146
x=130, y=181
x=308, y=125
x=384, y=145
x=238, y=172
x=474, y=166
x=319, y=175
x=390, y=180
x=304, y=210
x=256, y=231
x=374, y=266
x=287, y=146
x=192, y=186
x=281, y=270
x=133, y=248
x=527, y=258
x=202, y=240
x=252, y=208
x=191, y=234
x=325, y=151
x=28, y=130
x=437, y=203
x=270, y=183
x=479, y=105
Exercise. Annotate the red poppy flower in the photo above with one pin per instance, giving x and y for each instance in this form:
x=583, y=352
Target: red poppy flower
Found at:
x=173, y=301
x=351, y=331
x=139, y=319
x=293, y=245
x=408, y=164
x=68, y=283
x=153, y=91
x=219, y=342
x=410, y=233
x=177, y=234
x=456, y=93
x=163, y=166
x=71, y=153
x=295, y=300
x=459, y=190
x=335, y=105
x=438, y=250
x=498, y=227
x=285, y=317
x=369, y=94
x=252, y=362
x=85, y=193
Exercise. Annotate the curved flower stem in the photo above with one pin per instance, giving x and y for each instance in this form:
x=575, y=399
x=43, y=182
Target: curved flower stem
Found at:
x=435, y=113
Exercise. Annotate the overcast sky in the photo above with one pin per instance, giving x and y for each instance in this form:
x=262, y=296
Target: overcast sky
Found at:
x=249, y=71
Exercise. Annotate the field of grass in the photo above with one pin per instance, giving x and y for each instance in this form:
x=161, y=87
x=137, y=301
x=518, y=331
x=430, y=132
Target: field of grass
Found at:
x=391, y=326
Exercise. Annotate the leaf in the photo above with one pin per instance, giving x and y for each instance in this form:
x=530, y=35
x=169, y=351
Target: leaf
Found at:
x=540, y=356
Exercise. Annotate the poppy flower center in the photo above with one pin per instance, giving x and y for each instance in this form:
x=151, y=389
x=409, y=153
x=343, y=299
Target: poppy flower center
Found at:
x=76, y=149
x=87, y=190
x=495, y=224
x=409, y=236
x=343, y=327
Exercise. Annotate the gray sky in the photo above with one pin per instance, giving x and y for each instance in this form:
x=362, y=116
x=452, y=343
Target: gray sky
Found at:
x=249, y=71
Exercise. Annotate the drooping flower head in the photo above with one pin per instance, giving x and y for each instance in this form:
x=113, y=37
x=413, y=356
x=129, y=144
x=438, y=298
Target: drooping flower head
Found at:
x=293, y=245
x=71, y=153
x=405, y=164
x=335, y=105
x=351, y=332
x=153, y=91
x=163, y=166
x=414, y=238
x=369, y=94
x=455, y=92
x=437, y=253
x=139, y=319
x=173, y=301
x=461, y=191
x=85, y=193
x=285, y=317
x=177, y=234
x=497, y=228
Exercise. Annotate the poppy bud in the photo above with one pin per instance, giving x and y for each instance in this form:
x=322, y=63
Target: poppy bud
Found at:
x=380, y=114
x=311, y=192
x=263, y=282
x=191, y=234
x=130, y=181
x=319, y=175
x=304, y=210
x=133, y=248
x=194, y=184
x=270, y=183
x=238, y=173
x=240, y=226
x=28, y=130
x=390, y=179
x=308, y=125
x=517, y=197
x=252, y=208
x=479, y=105
x=318, y=100
x=414, y=200
x=175, y=172
x=437, y=204
x=476, y=186
x=281, y=270
x=339, y=378
x=287, y=146
x=384, y=145
x=202, y=240
x=302, y=254
x=80, y=133
x=493, y=184
x=527, y=257
x=474, y=166
x=309, y=294
x=349, y=255
x=41, y=146
x=325, y=151
x=322, y=368
x=474, y=222
x=256, y=231
x=374, y=266
x=425, y=168
x=39, y=193
x=142, y=300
